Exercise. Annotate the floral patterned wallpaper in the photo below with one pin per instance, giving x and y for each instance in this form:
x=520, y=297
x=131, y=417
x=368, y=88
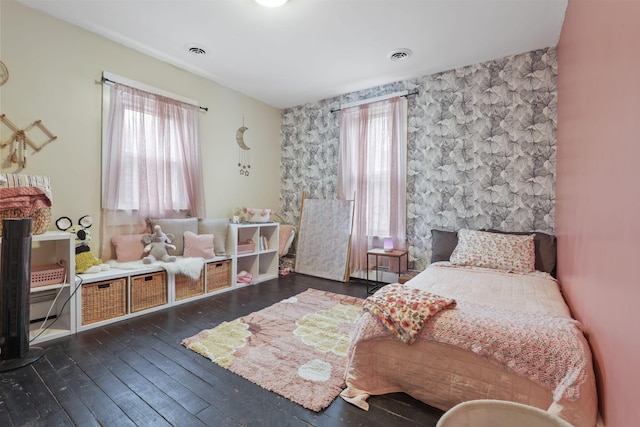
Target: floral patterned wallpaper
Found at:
x=481, y=144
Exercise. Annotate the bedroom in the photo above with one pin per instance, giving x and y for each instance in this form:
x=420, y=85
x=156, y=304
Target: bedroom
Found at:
x=53, y=63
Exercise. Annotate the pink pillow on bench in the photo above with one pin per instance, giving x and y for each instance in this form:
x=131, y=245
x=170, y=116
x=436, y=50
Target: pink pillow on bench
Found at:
x=198, y=245
x=128, y=247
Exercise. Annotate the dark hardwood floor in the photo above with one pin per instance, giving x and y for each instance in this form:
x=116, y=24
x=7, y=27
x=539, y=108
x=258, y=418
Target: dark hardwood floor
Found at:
x=136, y=373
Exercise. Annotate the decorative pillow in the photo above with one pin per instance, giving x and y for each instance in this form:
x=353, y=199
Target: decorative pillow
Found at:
x=287, y=233
x=198, y=245
x=217, y=227
x=177, y=227
x=493, y=250
x=128, y=247
x=546, y=249
x=442, y=244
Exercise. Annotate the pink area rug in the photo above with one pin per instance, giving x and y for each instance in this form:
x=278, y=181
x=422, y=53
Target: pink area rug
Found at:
x=296, y=348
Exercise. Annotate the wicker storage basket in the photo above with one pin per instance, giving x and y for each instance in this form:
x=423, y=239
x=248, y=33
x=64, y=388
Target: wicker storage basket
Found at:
x=186, y=287
x=104, y=300
x=218, y=275
x=49, y=274
x=148, y=290
x=40, y=220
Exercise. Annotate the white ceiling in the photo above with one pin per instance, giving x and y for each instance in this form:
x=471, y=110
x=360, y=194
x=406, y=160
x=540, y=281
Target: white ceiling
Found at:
x=308, y=50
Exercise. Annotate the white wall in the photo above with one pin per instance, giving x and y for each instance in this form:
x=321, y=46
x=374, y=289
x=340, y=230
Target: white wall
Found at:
x=55, y=68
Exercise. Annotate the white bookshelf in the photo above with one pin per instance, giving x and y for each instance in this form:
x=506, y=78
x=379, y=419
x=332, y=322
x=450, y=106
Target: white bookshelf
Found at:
x=108, y=277
x=53, y=247
x=65, y=299
x=55, y=301
x=262, y=261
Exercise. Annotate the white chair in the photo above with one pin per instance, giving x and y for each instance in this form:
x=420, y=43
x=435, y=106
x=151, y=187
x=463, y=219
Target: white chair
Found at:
x=498, y=413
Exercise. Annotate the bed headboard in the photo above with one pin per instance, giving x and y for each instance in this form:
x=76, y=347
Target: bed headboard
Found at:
x=444, y=242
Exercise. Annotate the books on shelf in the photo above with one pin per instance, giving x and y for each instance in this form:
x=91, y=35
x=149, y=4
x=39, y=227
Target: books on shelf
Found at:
x=264, y=243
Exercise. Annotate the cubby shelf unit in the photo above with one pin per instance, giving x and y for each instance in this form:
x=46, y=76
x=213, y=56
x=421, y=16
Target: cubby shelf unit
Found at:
x=65, y=300
x=55, y=301
x=114, y=276
x=262, y=261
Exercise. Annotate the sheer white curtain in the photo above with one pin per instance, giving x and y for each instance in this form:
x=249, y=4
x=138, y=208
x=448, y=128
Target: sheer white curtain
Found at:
x=372, y=167
x=151, y=162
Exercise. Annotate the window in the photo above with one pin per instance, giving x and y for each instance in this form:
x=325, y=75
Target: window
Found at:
x=372, y=169
x=151, y=160
x=150, y=152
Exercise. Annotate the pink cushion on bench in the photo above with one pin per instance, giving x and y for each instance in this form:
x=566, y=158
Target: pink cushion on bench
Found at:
x=128, y=247
x=198, y=245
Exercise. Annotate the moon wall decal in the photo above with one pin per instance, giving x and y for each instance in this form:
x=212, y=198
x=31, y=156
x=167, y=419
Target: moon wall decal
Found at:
x=240, y=138
x=244, y=159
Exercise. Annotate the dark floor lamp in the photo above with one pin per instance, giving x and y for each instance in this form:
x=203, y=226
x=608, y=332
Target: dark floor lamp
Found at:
x=15, y=283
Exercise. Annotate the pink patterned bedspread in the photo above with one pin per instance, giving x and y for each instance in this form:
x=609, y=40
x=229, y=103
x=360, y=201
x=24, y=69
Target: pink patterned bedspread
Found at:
x=510, y=337
x=543, y=347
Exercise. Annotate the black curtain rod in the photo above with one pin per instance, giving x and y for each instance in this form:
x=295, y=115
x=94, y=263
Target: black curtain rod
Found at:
x=415, y=92
x=111, y=81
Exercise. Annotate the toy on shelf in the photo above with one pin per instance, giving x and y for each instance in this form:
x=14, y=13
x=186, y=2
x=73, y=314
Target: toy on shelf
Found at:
x=157, y=245
x=86, y=262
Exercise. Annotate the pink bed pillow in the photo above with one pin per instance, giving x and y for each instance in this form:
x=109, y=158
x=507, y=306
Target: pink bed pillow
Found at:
x=129, y=247
x=198, y=245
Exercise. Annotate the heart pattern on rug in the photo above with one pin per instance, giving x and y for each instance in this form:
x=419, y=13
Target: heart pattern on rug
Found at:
x=296, y=347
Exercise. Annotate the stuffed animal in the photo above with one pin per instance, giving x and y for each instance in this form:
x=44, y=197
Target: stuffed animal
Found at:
x=86, y=262
x=157, y=245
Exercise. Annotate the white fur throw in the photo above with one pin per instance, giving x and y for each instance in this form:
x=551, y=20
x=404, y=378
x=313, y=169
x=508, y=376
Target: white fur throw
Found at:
x=191, y=267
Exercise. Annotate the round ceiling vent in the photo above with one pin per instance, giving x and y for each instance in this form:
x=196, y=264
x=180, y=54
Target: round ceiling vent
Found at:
x=399, y=54
x=196, y=50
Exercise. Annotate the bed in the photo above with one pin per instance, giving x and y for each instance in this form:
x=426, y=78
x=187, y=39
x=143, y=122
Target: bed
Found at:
x=508, y=336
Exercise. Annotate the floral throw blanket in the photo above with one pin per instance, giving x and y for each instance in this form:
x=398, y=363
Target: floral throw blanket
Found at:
x=405, y=310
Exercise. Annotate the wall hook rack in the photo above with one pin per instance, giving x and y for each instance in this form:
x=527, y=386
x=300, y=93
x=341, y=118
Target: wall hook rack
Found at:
x=20, y=140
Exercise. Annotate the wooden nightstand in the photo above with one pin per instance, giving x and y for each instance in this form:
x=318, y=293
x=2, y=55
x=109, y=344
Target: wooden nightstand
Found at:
x=373, y=286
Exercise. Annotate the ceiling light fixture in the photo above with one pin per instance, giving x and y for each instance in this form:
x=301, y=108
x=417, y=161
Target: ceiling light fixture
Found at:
x=399, y=54
x=271, y=3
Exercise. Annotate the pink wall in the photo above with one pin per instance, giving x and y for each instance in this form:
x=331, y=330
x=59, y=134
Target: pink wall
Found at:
x=598, y=192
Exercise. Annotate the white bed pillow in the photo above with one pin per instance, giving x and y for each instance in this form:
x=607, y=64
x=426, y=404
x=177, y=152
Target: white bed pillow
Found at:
x=493, y=250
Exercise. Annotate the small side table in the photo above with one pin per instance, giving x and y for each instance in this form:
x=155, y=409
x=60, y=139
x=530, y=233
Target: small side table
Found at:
x=394, y=253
